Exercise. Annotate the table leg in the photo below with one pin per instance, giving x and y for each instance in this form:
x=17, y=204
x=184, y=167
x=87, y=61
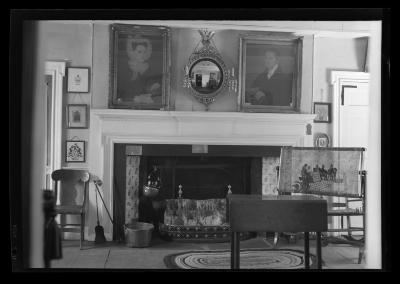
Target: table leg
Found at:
x=307, y=250
x=232, y=249
x=319, y=254
x=236, y=250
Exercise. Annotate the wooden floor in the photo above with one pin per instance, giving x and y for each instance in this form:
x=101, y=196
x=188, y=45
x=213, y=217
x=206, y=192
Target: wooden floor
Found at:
x=117, y=256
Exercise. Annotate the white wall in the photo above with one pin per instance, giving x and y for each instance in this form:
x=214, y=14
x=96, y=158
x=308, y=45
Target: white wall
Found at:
x=70, y=42
x=344, y=54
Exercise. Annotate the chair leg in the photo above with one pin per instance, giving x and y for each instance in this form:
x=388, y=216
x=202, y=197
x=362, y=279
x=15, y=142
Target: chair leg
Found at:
x=82, y=230
x=348, y=225
x=360, y=255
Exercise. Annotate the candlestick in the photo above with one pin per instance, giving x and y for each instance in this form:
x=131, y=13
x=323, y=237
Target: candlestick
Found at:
x=180, y=191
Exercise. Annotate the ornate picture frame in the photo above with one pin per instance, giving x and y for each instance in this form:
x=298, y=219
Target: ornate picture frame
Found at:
x=270, y=72
x=139, y=67
x=206, y=74
x=321, y=140
x=75, y=151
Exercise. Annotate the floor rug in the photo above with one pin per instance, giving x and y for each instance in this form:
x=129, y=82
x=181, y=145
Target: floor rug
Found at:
x=249, y=259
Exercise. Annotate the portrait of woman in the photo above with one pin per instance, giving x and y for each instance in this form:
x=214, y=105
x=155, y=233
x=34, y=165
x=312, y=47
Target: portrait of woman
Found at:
x=138, y=62
x=142, y=81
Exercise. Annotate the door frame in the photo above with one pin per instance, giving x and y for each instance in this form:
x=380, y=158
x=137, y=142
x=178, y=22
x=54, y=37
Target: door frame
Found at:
x=56, y=69
x=339, y=79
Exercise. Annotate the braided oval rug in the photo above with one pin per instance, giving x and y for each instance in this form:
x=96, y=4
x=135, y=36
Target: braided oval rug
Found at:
x=249, y=259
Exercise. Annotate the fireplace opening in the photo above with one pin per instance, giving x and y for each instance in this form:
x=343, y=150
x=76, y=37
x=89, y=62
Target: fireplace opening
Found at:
x=206, y=175
x=200, y=177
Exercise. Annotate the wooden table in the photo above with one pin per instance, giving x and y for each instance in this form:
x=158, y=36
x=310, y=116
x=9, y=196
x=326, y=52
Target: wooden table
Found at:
x=282, y=213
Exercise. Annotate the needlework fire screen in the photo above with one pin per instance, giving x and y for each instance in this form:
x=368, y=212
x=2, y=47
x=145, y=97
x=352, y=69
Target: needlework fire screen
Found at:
x=323, y=171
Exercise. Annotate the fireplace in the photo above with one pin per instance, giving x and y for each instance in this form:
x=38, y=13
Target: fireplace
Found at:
x=201, y=172
x=211, y=177
x=201, y=177
x=211, y=130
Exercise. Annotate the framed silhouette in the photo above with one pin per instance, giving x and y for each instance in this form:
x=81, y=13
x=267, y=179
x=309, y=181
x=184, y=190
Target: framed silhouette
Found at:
x=77, y=116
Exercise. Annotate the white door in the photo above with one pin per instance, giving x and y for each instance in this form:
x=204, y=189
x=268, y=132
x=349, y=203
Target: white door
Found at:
x=352, y=119
x=353, y=115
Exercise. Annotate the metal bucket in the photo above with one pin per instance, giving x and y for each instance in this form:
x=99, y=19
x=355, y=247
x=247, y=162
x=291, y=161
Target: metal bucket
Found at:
x=138, y=234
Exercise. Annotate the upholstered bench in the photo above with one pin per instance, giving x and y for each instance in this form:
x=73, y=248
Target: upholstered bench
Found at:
x=197, y=220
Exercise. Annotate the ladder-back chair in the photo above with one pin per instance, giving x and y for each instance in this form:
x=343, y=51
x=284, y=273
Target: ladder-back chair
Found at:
x=71, y=189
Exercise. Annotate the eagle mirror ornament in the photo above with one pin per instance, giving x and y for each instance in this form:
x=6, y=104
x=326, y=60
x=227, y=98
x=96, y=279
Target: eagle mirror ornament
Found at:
x=206, y=74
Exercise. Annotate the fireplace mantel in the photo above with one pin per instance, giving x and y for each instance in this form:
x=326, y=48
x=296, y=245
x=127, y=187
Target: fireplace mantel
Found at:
x=110, y=126
x=147, y=126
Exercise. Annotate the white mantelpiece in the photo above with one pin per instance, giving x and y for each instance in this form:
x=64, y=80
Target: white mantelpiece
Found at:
x=110, y=126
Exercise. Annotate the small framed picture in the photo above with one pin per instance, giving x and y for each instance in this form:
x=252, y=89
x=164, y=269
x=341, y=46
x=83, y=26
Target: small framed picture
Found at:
x=323, y=112
x=74, y=151
x=78, y=80
x=321, y=140
x=77, y=116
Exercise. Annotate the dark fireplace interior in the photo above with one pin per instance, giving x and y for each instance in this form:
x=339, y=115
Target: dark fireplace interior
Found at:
x=201, y=177
x=203, y=174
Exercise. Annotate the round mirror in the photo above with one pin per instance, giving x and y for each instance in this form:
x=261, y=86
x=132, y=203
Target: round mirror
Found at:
x=206, y=76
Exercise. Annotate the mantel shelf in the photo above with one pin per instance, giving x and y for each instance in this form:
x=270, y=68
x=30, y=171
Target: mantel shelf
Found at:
x=123, y=114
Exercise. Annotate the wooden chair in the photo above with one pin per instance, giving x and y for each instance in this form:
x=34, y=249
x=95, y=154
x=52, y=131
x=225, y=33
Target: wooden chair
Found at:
x=71, y=187
x=318, y=181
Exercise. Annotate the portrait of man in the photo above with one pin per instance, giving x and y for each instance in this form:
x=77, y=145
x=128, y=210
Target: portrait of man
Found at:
x=272, y=86
x=270, y=77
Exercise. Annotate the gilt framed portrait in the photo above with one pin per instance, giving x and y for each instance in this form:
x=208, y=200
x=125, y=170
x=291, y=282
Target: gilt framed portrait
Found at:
x=270, y=68
x=78, y=79
x=77, y=116
x=75, y=151
x=139, y=67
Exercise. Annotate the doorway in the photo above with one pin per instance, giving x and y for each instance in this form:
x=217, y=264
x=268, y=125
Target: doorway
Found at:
x=351, y=119
x=54, y=75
